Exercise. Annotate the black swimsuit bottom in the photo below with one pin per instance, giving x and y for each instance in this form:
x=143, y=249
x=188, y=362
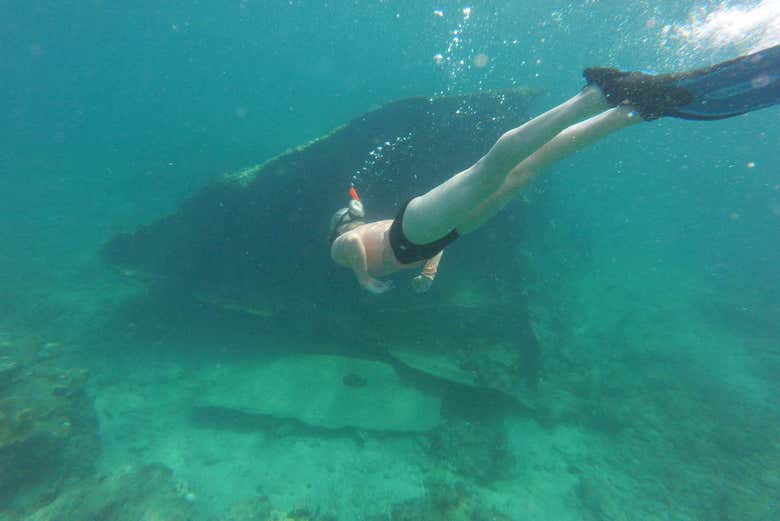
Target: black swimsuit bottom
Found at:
x=406, y=251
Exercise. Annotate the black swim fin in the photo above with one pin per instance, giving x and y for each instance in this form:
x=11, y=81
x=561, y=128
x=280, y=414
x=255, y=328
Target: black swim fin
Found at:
x=724, y=90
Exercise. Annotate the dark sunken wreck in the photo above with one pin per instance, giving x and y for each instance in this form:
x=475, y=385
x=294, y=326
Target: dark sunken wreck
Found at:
x=255, y=241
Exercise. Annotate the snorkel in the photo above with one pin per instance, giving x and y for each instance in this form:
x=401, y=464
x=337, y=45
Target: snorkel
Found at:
x=355, y=205
x=348, y=218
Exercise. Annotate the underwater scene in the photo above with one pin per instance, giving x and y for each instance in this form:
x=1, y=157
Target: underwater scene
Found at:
x=390, y=260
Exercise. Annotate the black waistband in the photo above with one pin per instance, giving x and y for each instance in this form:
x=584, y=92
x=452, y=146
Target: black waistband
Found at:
x=406, y=251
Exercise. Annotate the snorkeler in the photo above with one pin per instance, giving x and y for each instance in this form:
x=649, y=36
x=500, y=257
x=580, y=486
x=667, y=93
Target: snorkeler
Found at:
x=611, y=100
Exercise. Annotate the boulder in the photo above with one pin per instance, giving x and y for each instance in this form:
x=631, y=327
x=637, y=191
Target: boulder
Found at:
x=326, y=391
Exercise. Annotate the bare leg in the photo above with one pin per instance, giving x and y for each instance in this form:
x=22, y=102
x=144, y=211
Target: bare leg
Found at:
x=436, y=213
x=563, y=145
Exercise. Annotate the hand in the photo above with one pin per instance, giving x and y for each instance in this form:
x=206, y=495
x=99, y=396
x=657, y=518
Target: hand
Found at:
x=421, y=284
x=378, y=286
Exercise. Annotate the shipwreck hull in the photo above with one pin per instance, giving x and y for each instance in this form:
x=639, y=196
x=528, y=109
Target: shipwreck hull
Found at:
x=256, y=240
x=263, y=230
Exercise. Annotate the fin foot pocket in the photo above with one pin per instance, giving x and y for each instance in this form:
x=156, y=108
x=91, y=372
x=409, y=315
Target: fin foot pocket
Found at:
x=730, y=88
x=653, y=96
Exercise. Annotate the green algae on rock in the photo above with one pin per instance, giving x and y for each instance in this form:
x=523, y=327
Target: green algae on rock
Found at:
x=127, y=494
x=48, y=430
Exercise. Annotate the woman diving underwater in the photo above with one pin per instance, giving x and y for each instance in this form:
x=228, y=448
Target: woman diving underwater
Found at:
x=611, y=100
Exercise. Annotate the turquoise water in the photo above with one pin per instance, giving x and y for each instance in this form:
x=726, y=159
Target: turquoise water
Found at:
x=645, y=267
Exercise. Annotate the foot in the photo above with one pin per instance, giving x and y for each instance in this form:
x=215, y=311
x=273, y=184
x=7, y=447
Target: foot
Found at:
x=653, y=96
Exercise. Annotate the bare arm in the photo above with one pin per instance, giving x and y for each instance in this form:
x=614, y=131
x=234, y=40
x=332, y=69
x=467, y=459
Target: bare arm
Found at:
x=431, y=266
x=351, y=253
x=422, y=282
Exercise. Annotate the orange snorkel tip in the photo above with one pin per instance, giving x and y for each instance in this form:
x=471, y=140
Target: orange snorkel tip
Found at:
x=353, y=194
